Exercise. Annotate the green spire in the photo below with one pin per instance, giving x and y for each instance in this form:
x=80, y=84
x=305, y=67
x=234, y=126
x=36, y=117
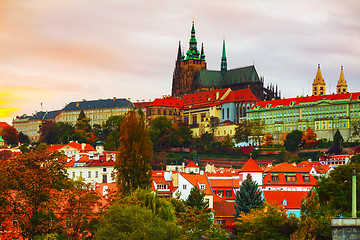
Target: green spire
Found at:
x=192, y=53
x=223, y=60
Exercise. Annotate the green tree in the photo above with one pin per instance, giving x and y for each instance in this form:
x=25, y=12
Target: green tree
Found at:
x=196, y=199
x=23, y=138
x=49, y=132
x=127, y=222
x=228, y=142
x=248, y=197
x=65, y=131
x=112, y=124
x=334, y=191
x=293, y=140
x=112, y=142
x=10, y=135
x=250, y=128
x=315, y=220
x=270, y=222
x=135, y=154
x=28, y=186
x=242, y=131
x=160, y=129
x=355, y=158
x=338, y=138
x=355, y=129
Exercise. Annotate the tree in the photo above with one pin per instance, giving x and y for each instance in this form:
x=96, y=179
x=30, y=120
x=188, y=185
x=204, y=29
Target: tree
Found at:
x=338, y=139
x=160, y=132
x=112, y=141
x=80, y=210
x=355, y=129
x=10, y=135
x=282, y=138
x=23, y=138
x=250, y=128
x=228, y=142
x=112, y=124
x=196, y=199
x=248, y=197
x=270, y=222
x=49, y=132
x=293, y=140
x=309, y=138
x=28, y=184
x=129, y=222
x=135, y=154
x=315, y=220
x=268, y=139
x=184, y=135
x=334, y=191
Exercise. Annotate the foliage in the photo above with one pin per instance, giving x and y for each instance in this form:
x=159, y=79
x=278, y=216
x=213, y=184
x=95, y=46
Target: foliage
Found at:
x=27, y=184
x=355, y=158
x=335, y=191
x=198, y=224
x=315, y=220
x=334, y=149
x=309, y=138
x=55, y=133
x=293, y=140
x=80, y=210
x=135, y=154
x=268, y=139
x=248, y=197
x=134, y=222
x=282, y=138
x=112, y=124
x=10, y=135
x=270, y=222
x=112, y=142
x=228, y=142
x=338, y=138
x=250, y=128
x=160, y=132
x=355, y=129
x=23, y=138
x=196, y=199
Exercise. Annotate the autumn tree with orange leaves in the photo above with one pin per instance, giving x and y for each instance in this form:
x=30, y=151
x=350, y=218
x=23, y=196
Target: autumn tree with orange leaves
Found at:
x=309, y=138
x=133, y=163
x=268, y=139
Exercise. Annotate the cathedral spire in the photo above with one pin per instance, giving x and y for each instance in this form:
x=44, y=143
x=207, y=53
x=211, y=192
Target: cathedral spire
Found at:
x=179, y=53
x=319, y=86
x=202, y=55
x=193, y=52
x=223, y=59
x=341, y=86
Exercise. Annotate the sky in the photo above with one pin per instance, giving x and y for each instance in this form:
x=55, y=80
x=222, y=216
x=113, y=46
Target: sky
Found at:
x=56, y=52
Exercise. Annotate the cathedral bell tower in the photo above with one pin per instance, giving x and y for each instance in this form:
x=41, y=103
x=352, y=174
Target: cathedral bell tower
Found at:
x=341, y=86
x=318, y=86
x=186, y=68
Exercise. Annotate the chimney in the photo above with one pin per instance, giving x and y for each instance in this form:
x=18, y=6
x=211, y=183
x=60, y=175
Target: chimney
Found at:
x=217, y=95
x=114, y=99
x=77, y=104
x=83, y=145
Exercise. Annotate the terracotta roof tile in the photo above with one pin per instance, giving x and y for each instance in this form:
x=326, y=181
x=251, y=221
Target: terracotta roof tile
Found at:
x=241, y=95
x=224, y=209
x=166, y=102
x=4, y=124
x=204, y=98
x=196, y=179
x=293, y=198
x=251, y=166
x=285, y=167
x=191, y=164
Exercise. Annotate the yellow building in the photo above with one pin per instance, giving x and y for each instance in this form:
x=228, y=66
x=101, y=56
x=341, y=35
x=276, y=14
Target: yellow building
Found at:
x=97, y=110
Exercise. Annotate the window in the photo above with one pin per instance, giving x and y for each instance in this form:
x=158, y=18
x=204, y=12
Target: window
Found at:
x=306, y=178
x=104, y=169
x=202, y=186
x=221, y=193
x=73, y=174
x=227, y=113
x=184, y=187
x=96, y=174
x=15, y=223
x=290, y=178
x=274, y=177
x=203, y=116
x=228, y=193
x=104, y=179
x=89, y=174
x=194, y=119
x=220, y=221
x=80, y=174
x=162, y=186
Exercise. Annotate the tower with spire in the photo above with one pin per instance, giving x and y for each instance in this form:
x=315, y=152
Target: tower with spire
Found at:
x=341, y=86
x=223, y=60
x=187, y=67
x=318, y=86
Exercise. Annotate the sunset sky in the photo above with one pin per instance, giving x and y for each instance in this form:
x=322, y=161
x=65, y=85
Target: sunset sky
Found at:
x=59, y=51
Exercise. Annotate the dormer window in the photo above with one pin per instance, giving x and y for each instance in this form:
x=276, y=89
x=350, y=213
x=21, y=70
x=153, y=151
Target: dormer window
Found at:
x=290, y=177
x=306, y=177
x=274, y=177
x=284, y=202
x=202, y=186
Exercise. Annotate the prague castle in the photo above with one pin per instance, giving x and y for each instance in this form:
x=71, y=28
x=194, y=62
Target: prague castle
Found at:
x=191, y=75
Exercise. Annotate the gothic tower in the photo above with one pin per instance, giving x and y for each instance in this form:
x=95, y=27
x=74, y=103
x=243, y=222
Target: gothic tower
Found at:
x=341, y=87
x=223, y=60
x=318, y=86
x=186, y=68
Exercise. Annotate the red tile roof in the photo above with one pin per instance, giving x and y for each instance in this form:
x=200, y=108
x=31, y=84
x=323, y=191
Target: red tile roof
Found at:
x=101, y=163
x=268, y=181
x=204, y=99
x=241, y=95
x=167, y=102
x=296, y=101
x=4, y=124
x=251, y=166
x=286, y=167
x=191, y=164
x=293, y=198
x=196, y=179
x=224, y=209
x=141, y=104
x=224, y=183
x=55, y=147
